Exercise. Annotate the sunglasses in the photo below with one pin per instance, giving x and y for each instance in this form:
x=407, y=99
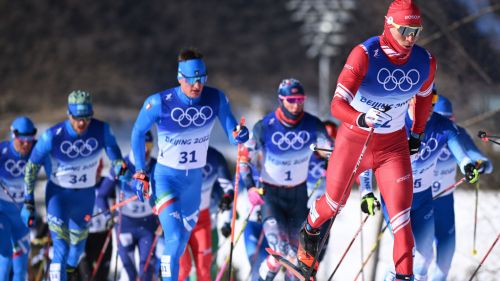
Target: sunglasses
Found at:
x=292, y=99
x=82, y=118
x=194, y=79
x=24, y=136
x=404, y=29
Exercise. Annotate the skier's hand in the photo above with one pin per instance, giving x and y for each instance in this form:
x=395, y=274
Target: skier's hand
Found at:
x=226, y=200
x=471, y=173
x=241, y=134
x=141, y=183
x=121, y=171
x=369, y=203
x=226, y=229
x=255, y=196
x=414, y=143
x=373, y=118
x=28, y=213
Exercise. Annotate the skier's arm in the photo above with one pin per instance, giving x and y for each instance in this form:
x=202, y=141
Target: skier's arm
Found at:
x=249, y=154
x=226, y=117
x=37, y=159
x=147, y=116
x=348, y=83
x=423, y=100
x=105, y=191
x=323, y=139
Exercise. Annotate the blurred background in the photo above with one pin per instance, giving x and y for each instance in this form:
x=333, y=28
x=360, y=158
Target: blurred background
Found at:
x=124, y=51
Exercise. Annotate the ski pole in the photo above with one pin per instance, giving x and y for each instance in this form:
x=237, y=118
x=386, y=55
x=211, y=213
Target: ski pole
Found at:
x=362, y=246
x=112, y=208
x=484, y=137
x=101, y=254
x=10, y=196
x=374, y=247
x=348, y=247
x=153, y=245
x=476, y=191
x=118, y=233
x=235, y=199
x=484, y=258
x=314, y=147
x=228, y=258
x=349, y=182
x=460, y=181
x=316, y=185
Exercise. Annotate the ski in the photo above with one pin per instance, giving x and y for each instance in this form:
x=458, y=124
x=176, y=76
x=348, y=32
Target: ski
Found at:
x=288, y=264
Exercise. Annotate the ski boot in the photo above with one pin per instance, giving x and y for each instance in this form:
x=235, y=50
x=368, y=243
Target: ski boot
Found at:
x=308, y=248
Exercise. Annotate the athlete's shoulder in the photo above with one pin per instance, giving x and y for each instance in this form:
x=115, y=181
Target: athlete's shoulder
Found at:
x=311, y=117
x=156, y=98
x=370, y=43
x=4, y=144
x=212, y=93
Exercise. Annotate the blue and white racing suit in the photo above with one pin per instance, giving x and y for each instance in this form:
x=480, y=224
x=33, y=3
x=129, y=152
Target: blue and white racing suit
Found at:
x=283, y=174
x=15, y=240
x=184, y=125
x=70, y=196
x=444, y=214
x=136, y=225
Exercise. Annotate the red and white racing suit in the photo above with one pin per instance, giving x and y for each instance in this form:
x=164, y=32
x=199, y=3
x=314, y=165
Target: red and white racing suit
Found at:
x=371, y=78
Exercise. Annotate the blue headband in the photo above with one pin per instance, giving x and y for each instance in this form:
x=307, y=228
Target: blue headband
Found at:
x=191, y=68
x=80, y=110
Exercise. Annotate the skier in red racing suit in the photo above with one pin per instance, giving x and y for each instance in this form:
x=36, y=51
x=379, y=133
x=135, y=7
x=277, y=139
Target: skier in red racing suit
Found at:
x=373, y=91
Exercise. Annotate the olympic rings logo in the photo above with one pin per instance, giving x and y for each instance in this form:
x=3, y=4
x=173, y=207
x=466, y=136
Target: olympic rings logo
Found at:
x=429, y=147
x=79, y=147
x=398, y=79
x=290, y=140
x=15, y=168
x=192, y=115
x=207, y=170
x=316, y=169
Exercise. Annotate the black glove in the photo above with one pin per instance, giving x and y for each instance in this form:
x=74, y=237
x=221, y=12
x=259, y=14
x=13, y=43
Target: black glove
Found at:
x=226, y=230
x=471, y=173
x=226, y=201
x=28, y=213
x=369, y=203
x=414, y=142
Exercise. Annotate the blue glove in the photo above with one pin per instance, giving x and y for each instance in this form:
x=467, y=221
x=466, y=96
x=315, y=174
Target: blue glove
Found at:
x=141, y=183
x=121, y=171
x=28, y=213
x=241, y=134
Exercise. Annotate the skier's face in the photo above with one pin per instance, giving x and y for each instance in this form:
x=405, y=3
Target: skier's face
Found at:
x=23, y=146
x=406, y=42
x=294, y=105
x=79, y=124
x=191, y=90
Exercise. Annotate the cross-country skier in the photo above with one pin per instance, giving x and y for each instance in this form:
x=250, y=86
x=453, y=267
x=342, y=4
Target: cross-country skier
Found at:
x=15, y=240
x=184, y=116
x=216, y=179
x=74, y=148
x=378, y=80
x=445, y=176
x=137, y=224
x=283, y=137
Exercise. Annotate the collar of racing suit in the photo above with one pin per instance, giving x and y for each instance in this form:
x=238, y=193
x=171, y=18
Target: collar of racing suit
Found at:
x=395, y=52
x=287, y=118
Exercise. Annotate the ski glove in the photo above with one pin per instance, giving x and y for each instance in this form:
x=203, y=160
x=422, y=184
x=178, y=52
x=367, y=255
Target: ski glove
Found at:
x=141, y=183
x=255, y=196
x=373, y=118
x=414, y=142
x=121, y=171
x=28, y=213
x=471, y=173
x=368, y=204
x=226, y=200
x=226, y=229
x=241, y=134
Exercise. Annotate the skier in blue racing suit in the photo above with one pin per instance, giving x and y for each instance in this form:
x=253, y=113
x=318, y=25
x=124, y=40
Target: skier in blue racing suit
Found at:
x=445, y=176
x=184, y=116
x=15, y=240
x=136, y=224
x=74, y=149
